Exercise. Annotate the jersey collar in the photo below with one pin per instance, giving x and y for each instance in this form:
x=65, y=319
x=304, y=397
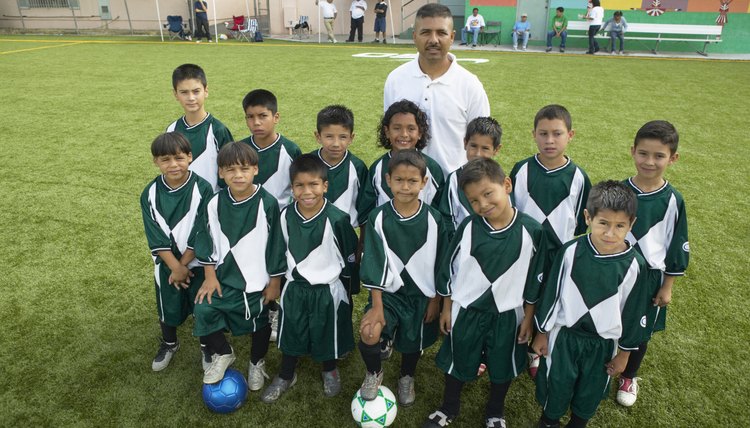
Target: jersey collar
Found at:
x=235, y=202
x=547, y=170
x=640, y=192
x=346, y=155
x=171, y=190
x=494, y=231
x=608, y=256
x=258, y=149
x=402, y=218
x=184, y=121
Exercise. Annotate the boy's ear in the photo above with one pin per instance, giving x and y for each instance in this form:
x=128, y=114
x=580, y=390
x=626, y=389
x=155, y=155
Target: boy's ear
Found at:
x=674, y=158
x=587, y=217
x=571, y=134
x=276, y=117
x=494, y=152
x=190, y=157
x=325, y=186
x=508, y=185
x=388, y=179
x=317, y=136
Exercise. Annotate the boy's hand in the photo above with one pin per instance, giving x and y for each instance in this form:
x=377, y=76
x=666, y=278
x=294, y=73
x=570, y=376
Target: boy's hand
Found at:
x=272, y=290
x=526, y=330
x=372, y=323
x=433, y=310
x=207, y=290
x=540, y=344
x=445, y=318
x=180, y=276
x=663, y=297
x=618, y=363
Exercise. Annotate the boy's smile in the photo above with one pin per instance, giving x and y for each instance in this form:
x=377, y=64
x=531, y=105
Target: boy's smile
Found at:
x=491, y=201
x=174, y=168
x=308, y=190
x=652, y=158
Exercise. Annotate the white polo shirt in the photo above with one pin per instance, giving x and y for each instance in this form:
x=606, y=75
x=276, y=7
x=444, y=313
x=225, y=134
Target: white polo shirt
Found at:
x=356, y=11
x=328, y=10
x=451, y=101
x=596, y=15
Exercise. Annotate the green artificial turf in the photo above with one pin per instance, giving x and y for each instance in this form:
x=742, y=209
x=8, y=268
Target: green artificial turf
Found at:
x=78, y=310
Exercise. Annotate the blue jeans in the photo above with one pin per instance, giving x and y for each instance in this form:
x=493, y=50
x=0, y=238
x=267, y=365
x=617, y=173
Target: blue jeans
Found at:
x=525, y=39
x=616, y=35
x=475, y=31
x=563, y=36
x=593, y=44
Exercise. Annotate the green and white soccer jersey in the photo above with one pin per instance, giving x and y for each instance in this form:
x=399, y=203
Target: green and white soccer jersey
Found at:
x=346, y=181
x=377, y=188
x=553, y=197
x=595, y=294
x=494, y=270
x=206, y=138
x=452, y=201
x=273, y=167
x=403, y=251
x=242, y=240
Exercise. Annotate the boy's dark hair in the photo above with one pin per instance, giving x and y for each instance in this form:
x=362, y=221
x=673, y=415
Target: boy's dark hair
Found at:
x=552, y=112
x=308, y=163
x=260, y=97
x=485, y=126
x=409, y=157
x=596, y=3
x=170, y=143
x=188, y=71
x=475, y=170
x=236, y=153
x=612, y=195
x=476, y=8
x=434, y=10
x=560, y=9
x=659, y=130
x=618, y=13
x=404, y=106
x=335, y=115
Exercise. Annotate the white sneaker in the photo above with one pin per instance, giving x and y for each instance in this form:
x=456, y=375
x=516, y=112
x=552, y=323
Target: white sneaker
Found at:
x=164, y=355
x=219, y=365
x=273, y=318
x=256, y=374
x=627, y=392
x=206, y=358
x=369, y=389
x=515, y=48
x=524, y=49
x=494, y=422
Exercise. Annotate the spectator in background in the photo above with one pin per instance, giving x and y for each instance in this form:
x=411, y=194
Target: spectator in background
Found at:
x=329, y=12
x=201, y=19
x=521, y=29
x=595, y=17
x=474, y=24
x=559, y=29
x=380, y=8
x=357, y=13
x=618, y=26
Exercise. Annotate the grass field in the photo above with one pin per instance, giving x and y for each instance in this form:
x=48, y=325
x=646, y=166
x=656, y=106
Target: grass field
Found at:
x=78, y=313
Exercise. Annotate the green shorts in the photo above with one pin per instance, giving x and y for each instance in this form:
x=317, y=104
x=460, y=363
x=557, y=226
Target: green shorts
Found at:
x=315, y=320
x=574, y=373
x=172, y=305
x=237, y=311
x=404, y=322
x=483, y=337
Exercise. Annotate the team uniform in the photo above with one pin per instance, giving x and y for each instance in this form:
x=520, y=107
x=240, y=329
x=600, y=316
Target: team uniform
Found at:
x=489, y=274
x=346, y=181
x=553, y=197
x=206, y=138
x=591, y=304
x=400, y=258
x=377, y=188
x=243, y=241
x=273, y=167
x=660, y=234
x=169, y=217
x=451, y=200
x=315, y=315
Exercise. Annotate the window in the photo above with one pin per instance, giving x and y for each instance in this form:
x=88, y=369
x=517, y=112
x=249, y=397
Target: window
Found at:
x=66, y=4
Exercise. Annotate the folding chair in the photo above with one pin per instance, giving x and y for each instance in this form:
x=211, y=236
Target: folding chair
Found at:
x=303, y=27
x=176, y=27
x=235, y=27
x=492, y=33
x=252, y=28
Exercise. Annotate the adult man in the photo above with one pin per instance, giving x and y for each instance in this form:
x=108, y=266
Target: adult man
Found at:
x=201, y=18
x=474, y=24
x=521, y=29
x=357, y=13
x=449, y=94
x=329, y=12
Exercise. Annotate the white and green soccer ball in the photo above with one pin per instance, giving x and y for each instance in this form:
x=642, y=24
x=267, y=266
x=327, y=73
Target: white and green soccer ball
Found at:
x=377, y=413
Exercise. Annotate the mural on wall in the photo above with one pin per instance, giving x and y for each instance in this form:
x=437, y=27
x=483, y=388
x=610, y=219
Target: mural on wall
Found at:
x=738, y=6
x=655, y=9
x=723, y=9
x=493, y=2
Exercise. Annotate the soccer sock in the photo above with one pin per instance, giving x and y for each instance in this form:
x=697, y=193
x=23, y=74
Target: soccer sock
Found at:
x=204, y=344
x=260, y=344
x=634, y=361
x=218, y=343
x=576, y=421
x=452, y=396
x=371, y=356
x=329, y=365
x=168, y=333
x=545, y=422
x=496, y=403
x=288, y=364
x=409, y=363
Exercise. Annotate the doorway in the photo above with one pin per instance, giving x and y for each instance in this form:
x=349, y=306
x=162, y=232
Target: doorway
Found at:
x=537, y=11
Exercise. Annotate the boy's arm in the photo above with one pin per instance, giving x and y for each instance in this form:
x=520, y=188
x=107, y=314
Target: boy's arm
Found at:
x=635, y=307
x=547, y=307
x=180, y=276
x=447, y=265
x=677, y=257
x=445, y=315
x=209, y=286
x=155, y=236
x=564, y=25
x=374, y=320
x=439, y=179
x=365, y=202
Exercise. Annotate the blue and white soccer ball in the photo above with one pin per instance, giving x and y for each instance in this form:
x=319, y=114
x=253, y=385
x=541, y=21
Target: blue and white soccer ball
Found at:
x=228, y=394
x=377, y=413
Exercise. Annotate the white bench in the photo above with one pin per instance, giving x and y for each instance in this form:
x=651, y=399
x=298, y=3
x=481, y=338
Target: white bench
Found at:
x=657, y=32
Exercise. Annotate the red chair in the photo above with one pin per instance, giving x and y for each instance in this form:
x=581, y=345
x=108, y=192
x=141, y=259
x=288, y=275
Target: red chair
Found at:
x=238, y=28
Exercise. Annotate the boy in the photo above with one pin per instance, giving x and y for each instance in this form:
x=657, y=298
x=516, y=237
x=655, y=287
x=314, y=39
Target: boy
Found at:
x=559, y=29
x=204, y=131
x=240, y=245
x=380, y=9
x=315, y=309
x=660, y=234
x=170, y=204
x=403, y=241
x=591, y=304
x=482, y=140
x=489, y=280
x=618, y=26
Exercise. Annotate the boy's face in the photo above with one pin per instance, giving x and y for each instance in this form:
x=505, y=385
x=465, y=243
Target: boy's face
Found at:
x=609, y=230
x=239, y=179
x=559, y=14
x=261, y=122
x=335, y=140
x=174, y=167
x=552, y=137
x=191, y=94
x=480, y=146
x=652, y=158
x=406, y=181
x=489, y=199
x=403, y=131
x=308, y=190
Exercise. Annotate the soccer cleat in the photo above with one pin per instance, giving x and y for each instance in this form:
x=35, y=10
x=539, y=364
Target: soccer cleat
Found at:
x=494, y=422
x=219, y=365
x=474, y=45
x=276, y=388
x=331, y=383
x=369, y=389
x=437, y=419
x=273, y=318
x=611, y=52
x=406, y=393
x=627, y=393
x=622, y=52
x=206, y=358
x=524, y=49
x=534, y=360
x=549, y=49
x=376, y=41
x=164, y=355
x=562, y=50
x=386, y=349
x=256, y=374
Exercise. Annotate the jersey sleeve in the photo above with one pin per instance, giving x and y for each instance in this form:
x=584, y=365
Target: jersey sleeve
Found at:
x=365, y=201
x=157, y=239
x=368, y=190
x=548, y=304
x=513, y=174
x=678, y=252
x=206, y=191
x=448, y=266
x=538, y=267
x=439, y=179
x=636, y=306
x=374, y=271
x=346, y=240
x=275, y=247
x=204, y=244
x=223, y=136
x=442, y=203
x=580, y=217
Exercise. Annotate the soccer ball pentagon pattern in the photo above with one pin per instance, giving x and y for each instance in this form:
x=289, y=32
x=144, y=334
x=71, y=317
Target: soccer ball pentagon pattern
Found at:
x=228, y=394
x=380, y=412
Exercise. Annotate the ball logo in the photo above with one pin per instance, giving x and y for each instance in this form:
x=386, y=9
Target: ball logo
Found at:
x=351, y=258
x=643, y=321
x=686, y=247
x=540, y=277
